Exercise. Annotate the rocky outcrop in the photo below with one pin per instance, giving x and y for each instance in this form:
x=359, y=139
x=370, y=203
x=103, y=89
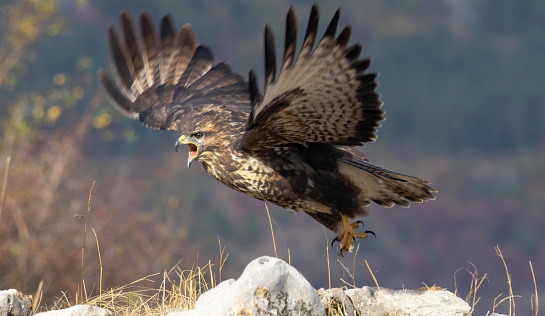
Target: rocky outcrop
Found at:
x=432, y=301
x=336, y=302
x=269, y=286
x=78, y=310
x=386, y=302
x=13, y=302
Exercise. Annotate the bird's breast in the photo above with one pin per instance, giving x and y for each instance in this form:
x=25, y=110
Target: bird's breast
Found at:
x=251, y=175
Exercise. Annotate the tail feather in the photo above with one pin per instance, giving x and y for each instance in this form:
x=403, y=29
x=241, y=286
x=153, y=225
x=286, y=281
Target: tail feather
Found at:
x=383, y=186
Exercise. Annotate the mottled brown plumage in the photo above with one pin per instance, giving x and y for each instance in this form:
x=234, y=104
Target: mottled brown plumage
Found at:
x=293, y=145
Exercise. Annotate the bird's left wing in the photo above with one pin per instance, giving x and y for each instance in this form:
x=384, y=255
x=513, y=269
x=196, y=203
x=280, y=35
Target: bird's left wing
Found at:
x=324, y=97
x=160, y=78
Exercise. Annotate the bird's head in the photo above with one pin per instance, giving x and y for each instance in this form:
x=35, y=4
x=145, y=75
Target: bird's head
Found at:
x=205, y=134
x=196, y=141
x=198, y=127
x=207, y=131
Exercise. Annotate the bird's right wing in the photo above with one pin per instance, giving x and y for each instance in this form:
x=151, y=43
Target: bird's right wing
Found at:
x=326, y=96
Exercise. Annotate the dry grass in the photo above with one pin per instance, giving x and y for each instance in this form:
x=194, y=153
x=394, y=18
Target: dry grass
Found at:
x=4, y=183
x=471, y=298
x=476, y=282
x=510, y=298
x=272, y=231
x=534, y=302
x=180, y=288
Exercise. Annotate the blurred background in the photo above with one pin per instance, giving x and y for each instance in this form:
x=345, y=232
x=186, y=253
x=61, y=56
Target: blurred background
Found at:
x=462, y=83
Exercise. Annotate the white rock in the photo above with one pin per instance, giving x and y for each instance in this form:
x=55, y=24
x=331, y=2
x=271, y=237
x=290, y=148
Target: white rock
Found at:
x=335, y=301
x=13, y=302
x=78, y=310
x=268, y=286
x=372, y=301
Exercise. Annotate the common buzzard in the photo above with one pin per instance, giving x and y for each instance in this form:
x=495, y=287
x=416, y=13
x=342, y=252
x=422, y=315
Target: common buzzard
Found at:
x=293, y=145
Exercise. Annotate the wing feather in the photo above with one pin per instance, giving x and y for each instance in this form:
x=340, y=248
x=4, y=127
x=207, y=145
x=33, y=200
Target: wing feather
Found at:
x=118, y=63
x=312, y=30
x=150, y=50
x=134, y=60
x=326, y=96
x=255, y=96
x=156, y=75
x=116, y=95
x=213, y=76
x=290, y=44
x=202, y=61
x=332, y=27
x=270, y=57
x=168, y=47
x=186, y=45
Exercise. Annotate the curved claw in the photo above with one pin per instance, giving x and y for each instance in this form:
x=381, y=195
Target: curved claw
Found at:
x=348, y=234
x=367, y=232
x=334, y=240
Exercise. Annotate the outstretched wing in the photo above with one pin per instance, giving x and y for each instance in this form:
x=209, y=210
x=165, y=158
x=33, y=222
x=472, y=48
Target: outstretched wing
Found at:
x=325, y=97
x=160, y=79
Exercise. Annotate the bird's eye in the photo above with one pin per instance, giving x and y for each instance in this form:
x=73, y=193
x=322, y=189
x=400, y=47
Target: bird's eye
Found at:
x=198, y=135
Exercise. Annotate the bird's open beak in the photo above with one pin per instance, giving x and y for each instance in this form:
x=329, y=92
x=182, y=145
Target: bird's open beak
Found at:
x=193, y=149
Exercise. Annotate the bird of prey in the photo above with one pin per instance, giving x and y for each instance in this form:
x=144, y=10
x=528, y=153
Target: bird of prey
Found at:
x=293, y=145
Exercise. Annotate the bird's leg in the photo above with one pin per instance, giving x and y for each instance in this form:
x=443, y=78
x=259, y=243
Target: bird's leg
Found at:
x=347, y=236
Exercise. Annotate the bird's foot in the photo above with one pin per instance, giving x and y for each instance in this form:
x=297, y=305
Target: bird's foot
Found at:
x=347, y=236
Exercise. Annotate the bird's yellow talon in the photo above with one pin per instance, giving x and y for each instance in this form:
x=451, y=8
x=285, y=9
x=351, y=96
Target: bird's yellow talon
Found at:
x=347, y=236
